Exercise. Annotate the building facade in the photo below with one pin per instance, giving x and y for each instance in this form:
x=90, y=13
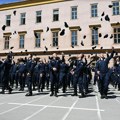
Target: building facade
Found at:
x=42, y=27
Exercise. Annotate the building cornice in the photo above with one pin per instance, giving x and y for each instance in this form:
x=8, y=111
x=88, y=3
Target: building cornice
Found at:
x=75, y=52
x=8, y=33
x=74, y=27
x=40, y=30
x=55, y=29
x=27, y=3
x=115, y=24
x=97, y=25
x=22, y=32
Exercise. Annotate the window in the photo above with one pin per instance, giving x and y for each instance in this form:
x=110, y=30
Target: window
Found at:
x=6, y=45
x=8, y=20
x=74, y=37
x=94, y=37
x=55, y=39
x=38, y=16
x=22, y=37
x=74, y=12
x=55, y=15
x=37, y=39
x=116, y=8
x=117, y=35
x=94, y=11
x=22, y=18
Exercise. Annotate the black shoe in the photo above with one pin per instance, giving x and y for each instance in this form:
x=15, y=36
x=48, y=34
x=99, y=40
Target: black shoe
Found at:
x=20, y=89
x=28, y=94
x=102, y=96
x=86, y=92
x=2, y=92
x=82, y=95
x=75, y=94
x=51, y=94
x=39, y=90
x=10, y=91
x=64, y=91
x=106, y=97
x=56, y=95
x=33, y=89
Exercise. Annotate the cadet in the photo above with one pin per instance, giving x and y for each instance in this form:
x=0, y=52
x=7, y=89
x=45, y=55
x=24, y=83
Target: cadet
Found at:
x=29, y=83
x=47, y=75
x=78, y=76
x=54, y=70
x=41, y=82
x=22, y=74
x=29, y=76
x=13, y=74
x=36, y=74
x=117, y=71
x=63, y=69
x=102, y=70
x=6, y=66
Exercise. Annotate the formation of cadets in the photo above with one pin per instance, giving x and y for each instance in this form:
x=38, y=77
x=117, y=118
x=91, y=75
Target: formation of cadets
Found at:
x=56, y=73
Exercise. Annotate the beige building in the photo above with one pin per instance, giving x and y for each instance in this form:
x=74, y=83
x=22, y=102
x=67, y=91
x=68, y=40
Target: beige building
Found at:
x=36, y=26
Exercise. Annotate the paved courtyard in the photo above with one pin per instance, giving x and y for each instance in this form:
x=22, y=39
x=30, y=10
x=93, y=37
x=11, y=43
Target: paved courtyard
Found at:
x=41, y=106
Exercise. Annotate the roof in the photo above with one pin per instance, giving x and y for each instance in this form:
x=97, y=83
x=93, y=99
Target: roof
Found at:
x=27, y=3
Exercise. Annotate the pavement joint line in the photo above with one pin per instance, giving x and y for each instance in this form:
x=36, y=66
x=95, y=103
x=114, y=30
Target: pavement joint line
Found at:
x=98, y=109
x=42, y=109
x=22, y=105
x=70, y=109
x=51, y=106
x=118, y=101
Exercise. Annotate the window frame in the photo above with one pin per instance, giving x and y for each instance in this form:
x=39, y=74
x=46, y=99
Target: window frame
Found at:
x=55, y=15
x=37, y=16
x=7, y=42
x=38, y=44
x=22, y=19
x=117, y=35
x=94, y=11
x=115, y=8
x=8, y=21
x=74, y=38
x=75, y=13
x=94, y=35
x=21, y=46
x=55, y=38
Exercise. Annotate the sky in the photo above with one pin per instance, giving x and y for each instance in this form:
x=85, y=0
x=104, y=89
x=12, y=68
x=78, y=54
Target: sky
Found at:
x=8, y=1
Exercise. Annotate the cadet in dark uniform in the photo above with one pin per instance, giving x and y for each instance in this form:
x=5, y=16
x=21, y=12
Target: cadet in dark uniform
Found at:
x=1, y=72
x=29, y=77
x=22, y=74
x=102, y=70
x=54, y=71
x=41, y=82
x=78, y=76
x=13, y=75
x=6, y=66
x=86, y=77
x=29, y=83
x=47, y=75
x=36, y=74
x=63, y=69
x=117, y=72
